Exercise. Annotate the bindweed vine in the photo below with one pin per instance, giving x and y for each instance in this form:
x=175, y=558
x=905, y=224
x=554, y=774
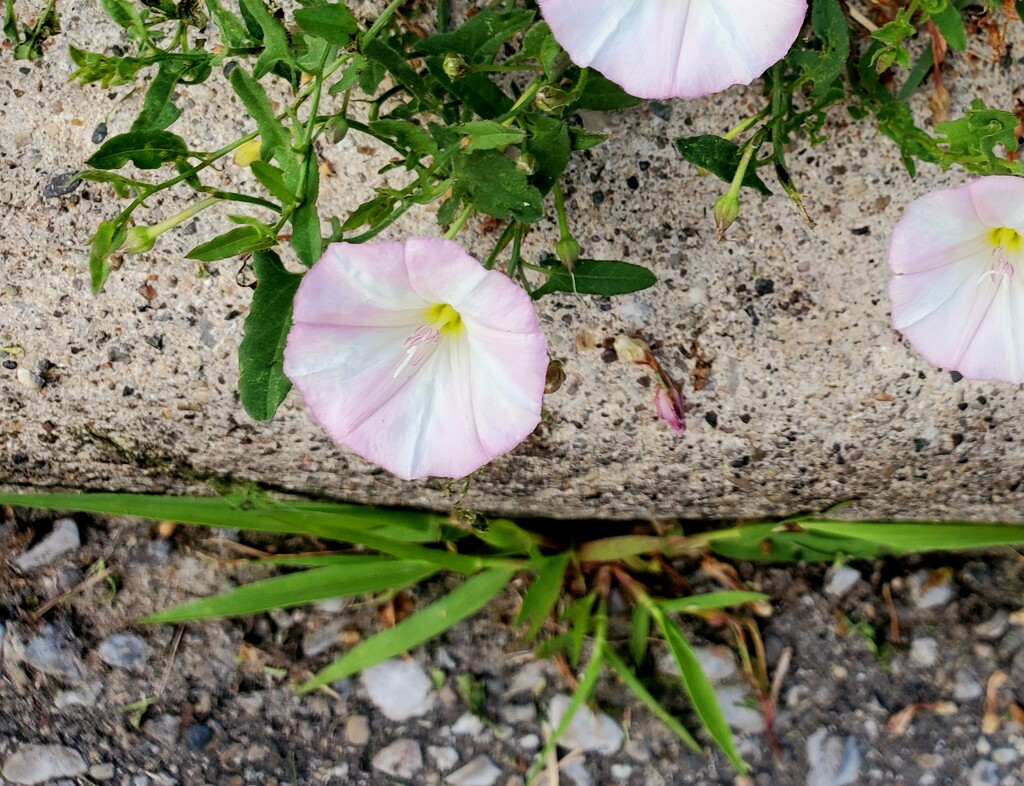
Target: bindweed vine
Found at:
x=482, y=119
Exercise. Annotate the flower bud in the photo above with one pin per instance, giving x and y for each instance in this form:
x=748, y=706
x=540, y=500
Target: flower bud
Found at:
x=138, y=240
x=455, y=66
x=246, y=153
x=337, y=129
x=568, y=251
x=525, y=164
x=551, y=98
x=727, y=208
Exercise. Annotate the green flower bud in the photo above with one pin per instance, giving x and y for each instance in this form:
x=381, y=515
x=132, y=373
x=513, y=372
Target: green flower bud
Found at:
x=568, y=251
x=551, y=98
x=526, y=164
x=455, y=66
x=138, y=240
x=727, y=208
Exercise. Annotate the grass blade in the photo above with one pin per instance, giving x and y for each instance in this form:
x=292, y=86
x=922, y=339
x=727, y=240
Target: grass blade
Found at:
x=543, y=594
x=296, y=589
x=633, y=683
x=694, y=604
x=463, y=601
x=699, y=689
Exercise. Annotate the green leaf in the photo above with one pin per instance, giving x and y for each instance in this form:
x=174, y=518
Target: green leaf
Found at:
x=492, y=184
x=125, y=15
x=306, y=240
x=603, y=95
x=333, y=22
x=579, y=615
x=550, y=147
x=231, y=28
x=585, y=140
x=598, y=277
x=297, y=589
x=639, y=633
x=699, y=689
x=262, y=384
x=158, y=110
x=108, y=237
x=423, y=625
x=272, y=179
x=274, y=37
x=823, y=66
x=719, y=156
x=146, y=149
x=480, y=37
x=637, y=688
x=950, y=23
x=232, y=243
x=404, y=136
x=695, y=604
x=543, y=594
x=488, y=135
x=275, y=141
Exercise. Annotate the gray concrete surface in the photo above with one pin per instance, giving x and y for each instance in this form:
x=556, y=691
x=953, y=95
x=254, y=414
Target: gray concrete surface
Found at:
x=802, y=397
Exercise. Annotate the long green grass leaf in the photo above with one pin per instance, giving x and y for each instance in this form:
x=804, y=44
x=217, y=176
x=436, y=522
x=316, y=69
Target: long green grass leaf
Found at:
x=543, y=594
x=297, y=589
x=463, y=601
x=699, y=689
x=637, y=688
x=695, y=604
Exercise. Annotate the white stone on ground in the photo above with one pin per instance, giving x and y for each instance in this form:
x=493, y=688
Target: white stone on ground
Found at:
x=34, y=764
x=480, y=771
x=400, y=689
x=718, y=663
x=841, y=579
x=468, y=724
x=930, y=589
x=529, y=679
x=924, y=651
x=124, y=651
x=84, y=696
x=357, y=729
x=586, y=731
x=966, y=687
x=739, y=710
x=984, y=773
x=61, y=540
x=444, y=757
x=994, y=627
x=322, y=638
x=577, y=772
x=834, y=761
x=402, y=759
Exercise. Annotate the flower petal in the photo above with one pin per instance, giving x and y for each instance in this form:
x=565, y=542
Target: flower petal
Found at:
x=676, y=48
x=415, y=403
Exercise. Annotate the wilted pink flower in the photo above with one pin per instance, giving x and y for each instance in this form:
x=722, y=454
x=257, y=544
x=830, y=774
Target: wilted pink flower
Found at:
x=676, y=48
x=416, y=357
x=956, y=294
x=668, y=396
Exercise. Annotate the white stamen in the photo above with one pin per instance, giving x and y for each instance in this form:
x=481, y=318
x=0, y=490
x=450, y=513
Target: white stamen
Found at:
x=424, y=334
x=1000, y=270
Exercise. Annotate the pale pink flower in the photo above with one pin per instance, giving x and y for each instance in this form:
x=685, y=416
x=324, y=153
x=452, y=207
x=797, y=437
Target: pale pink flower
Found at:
x=416, y=357
x=957, y=295
x=676, y=48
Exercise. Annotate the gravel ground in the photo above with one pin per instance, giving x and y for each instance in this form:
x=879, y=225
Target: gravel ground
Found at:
x=88, y=697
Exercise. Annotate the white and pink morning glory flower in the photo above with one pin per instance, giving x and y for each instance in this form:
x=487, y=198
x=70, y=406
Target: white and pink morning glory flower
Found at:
x=416, y=357
x=958, y=290
x=676, y=48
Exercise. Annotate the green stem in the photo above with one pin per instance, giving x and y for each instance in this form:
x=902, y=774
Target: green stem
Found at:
x=503, y=241
x=382, y=20
x=442, y=16
x=178, y=218
x=459, y=222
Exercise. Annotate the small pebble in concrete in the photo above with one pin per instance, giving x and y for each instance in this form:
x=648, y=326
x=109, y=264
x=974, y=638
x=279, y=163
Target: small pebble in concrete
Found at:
x=163, y=729
x=480, y=771
x=529, y=679
x=61, y=540
x=984, y=773
x=966, y=687
x=529, y=742
x=468, y=724
x=84, y=696
x=577, y=772
x=400, y=689
x=52, y=653
x=586, y=731
x=323, y=638
x=739, y=710
x=402, y=759
x=718, y=663
x=198, y=736
x=931, y=589
x=994, y=627
x=357, y=729
x=621, y=772
x=840, y=580
x=444, y=757
x=834, y=761
x=924, y=652
x=30, y=379
x=518, y=713
x=1005, y=755
x=101, y=772
x=124, y=651
x=32, y=764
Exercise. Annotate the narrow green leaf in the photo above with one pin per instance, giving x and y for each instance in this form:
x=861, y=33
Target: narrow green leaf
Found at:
x=695, y=604
x=639, y=633
x=721, y=157
x=297, y=589
x=950, y=23
x=262, y=384
x=232, y=243
x=272, y=179
x=637, y=688
x=543, y=594
x=914, y=537
x=598, y=277
x=423, y=625
x=333, y=22
x=146, y=149
x=699, y=689
x=107, y=238
x=306, y=239
x=488, y=134
x=275, y=141
x=579, y=615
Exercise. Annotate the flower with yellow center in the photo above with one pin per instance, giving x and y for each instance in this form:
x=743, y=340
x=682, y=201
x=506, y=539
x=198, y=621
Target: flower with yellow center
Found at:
x=957, y=294
x=416, y=357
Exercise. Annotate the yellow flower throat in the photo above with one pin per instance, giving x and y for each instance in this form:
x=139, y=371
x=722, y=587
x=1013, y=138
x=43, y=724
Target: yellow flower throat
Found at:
x=447, y=320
